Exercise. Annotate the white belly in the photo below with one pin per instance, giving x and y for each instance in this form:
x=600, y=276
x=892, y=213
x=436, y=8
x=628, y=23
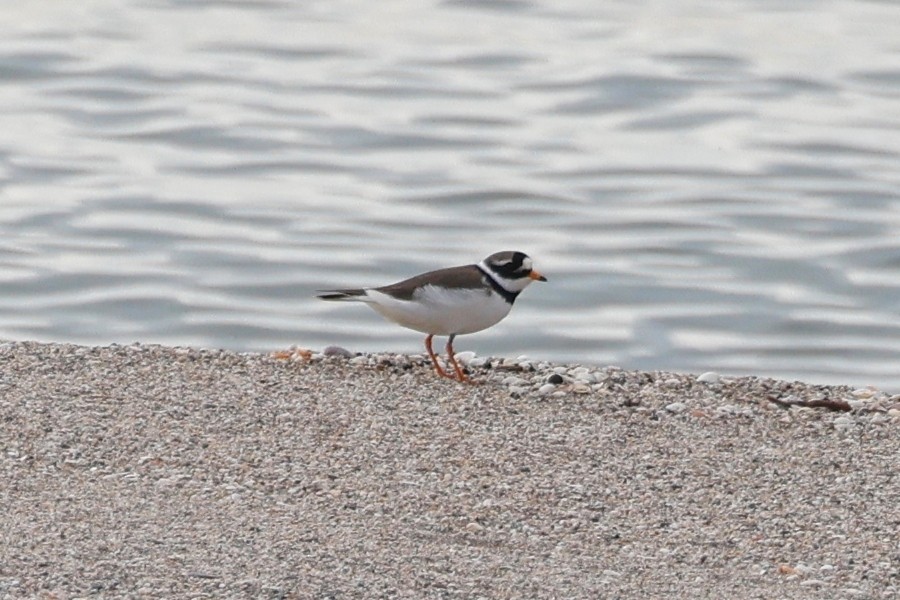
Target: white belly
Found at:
x=439, y=311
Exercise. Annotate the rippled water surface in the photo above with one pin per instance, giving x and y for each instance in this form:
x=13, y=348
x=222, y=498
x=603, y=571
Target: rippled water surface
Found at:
x=708, y=186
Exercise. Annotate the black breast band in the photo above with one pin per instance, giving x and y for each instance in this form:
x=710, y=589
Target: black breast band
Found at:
x=504, y=293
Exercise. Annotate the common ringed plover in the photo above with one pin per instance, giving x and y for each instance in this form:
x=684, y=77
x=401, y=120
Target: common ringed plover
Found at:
x=452, y=301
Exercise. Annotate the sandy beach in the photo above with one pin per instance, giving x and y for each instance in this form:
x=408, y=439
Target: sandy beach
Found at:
x=155, y=472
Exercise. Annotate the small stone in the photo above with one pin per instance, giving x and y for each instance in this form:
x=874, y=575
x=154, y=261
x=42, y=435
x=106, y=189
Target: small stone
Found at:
x=359, y=360
x=610, y=574
x=787, y=570
x=676, y=407
x=555, y=379
x=709, y=377
x=474, y=527
x=866, y=392
x=512, y=380
x=580, y=388
x=843, y=423
x=812, y=582
x=545, y=389
x=465, y=357
x=398, y=360
x=337, y=351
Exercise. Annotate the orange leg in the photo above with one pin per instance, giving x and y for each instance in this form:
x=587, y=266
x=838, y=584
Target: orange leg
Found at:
x=437, y=367
x=451, y=355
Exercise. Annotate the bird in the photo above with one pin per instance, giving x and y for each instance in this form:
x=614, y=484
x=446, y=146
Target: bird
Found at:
x=449, y=302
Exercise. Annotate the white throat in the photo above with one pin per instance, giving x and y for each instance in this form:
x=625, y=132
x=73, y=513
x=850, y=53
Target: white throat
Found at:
x=510, y=285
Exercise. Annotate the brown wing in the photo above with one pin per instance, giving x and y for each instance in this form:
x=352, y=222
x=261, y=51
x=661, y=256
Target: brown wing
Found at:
x=467, y=277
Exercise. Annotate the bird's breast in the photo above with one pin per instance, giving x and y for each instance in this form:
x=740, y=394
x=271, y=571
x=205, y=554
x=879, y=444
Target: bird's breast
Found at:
x=441, y=311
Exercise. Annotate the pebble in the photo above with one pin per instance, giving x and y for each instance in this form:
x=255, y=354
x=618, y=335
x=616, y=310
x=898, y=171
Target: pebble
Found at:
x=843, y=423
x=709, y=377
x=555, y=379
x=518, y=391
x=465, y=358
x=337, y=351
x=546, y=389
x=609, y=573
x=676, y=407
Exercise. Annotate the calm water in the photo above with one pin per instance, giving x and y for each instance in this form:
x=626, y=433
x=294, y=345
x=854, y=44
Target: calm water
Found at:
x=708, y=186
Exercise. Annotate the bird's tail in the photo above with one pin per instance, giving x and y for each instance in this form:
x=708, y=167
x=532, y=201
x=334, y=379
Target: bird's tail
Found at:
x=346, y=295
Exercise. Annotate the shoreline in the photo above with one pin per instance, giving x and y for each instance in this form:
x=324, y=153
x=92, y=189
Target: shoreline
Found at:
x=155, y=471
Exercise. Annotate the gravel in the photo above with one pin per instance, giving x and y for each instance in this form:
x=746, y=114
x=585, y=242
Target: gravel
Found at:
x=155, y=472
